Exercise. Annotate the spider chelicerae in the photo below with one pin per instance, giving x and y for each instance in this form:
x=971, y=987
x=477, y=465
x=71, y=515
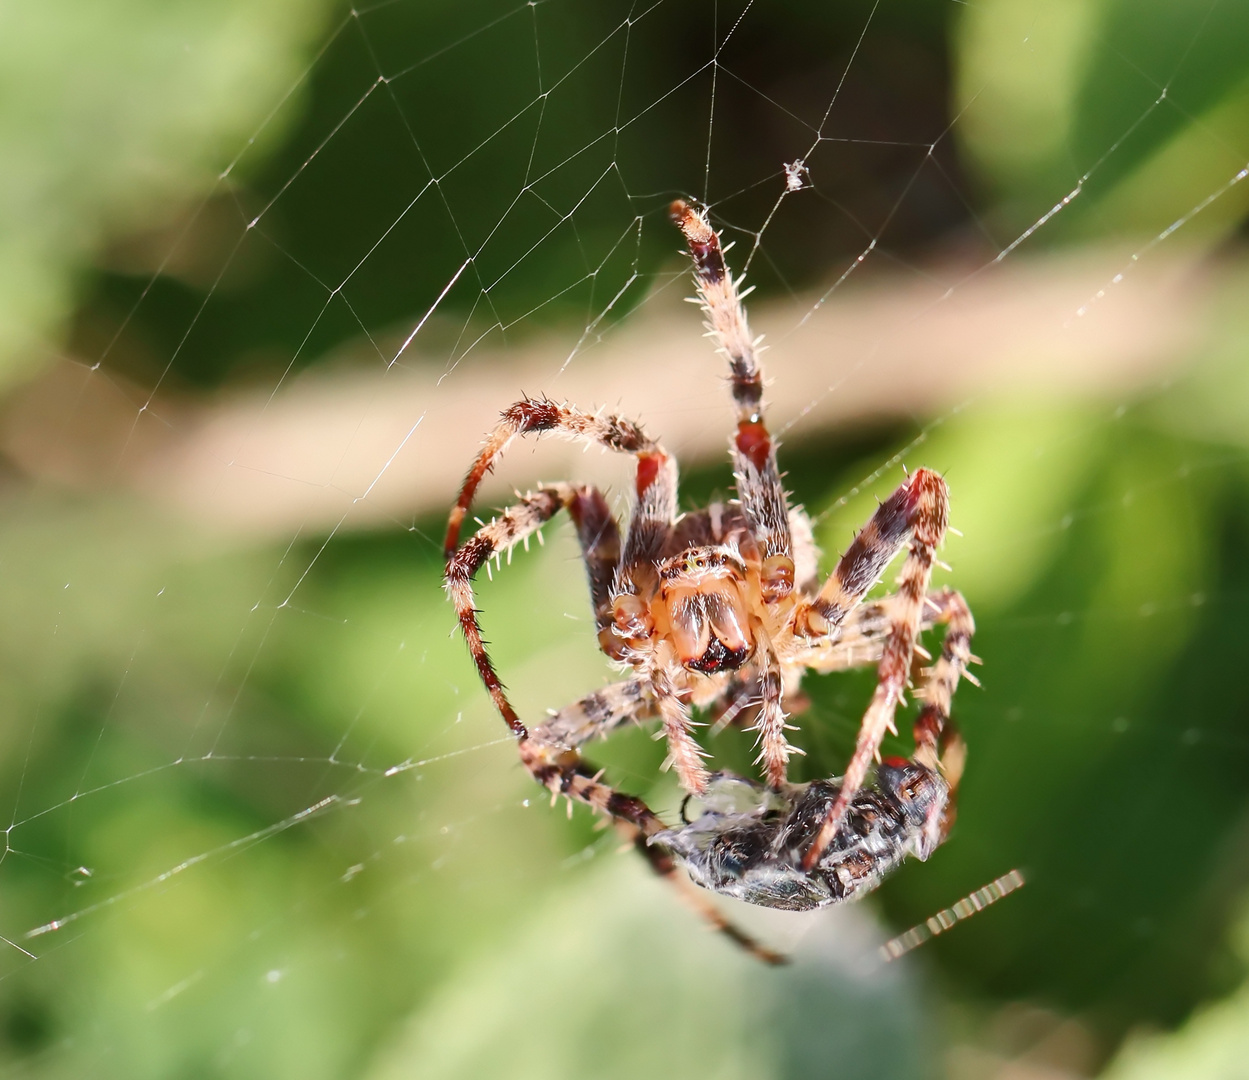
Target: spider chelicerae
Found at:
x=722, y=610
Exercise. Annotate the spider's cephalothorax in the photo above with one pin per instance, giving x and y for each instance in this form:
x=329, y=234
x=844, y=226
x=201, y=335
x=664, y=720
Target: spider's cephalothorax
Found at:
x=722, y=609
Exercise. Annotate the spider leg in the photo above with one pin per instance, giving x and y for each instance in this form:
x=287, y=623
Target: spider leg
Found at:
x=596, y=714
x=937, y=742
x=754, y=454
x=684, y=753
x=919, y=508
x=509, y=528
x=557, y=768
x=637, y=578
x=774, y=748
x=599, y=536
x=613, y=432
x=863, y=633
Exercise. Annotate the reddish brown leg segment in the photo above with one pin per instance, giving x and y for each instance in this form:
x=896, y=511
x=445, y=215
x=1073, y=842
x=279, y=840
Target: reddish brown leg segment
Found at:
x=509, y=528
x=937, y=744
x=921, y=502
x=525, y=417
x=921, y=508
x=754, y=453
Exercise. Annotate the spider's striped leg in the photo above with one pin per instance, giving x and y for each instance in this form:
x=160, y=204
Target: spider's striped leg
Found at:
x=599, y=536
x=560, y=770
x=924, y=509
x=774, y=748
x=861, y=640
x=649, y=527
x=613, y=432
x=937, y=743
x=509, y=528
x=596, y=714
x=921, y=505
x=754, y=454
x=684, y=753
x=636, y=580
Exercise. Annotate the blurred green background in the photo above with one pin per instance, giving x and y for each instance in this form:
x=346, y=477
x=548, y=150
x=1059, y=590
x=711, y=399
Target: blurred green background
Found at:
x=253, y=777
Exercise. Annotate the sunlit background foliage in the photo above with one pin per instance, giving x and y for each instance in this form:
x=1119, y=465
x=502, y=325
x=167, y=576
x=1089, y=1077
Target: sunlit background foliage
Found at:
x=164, y=704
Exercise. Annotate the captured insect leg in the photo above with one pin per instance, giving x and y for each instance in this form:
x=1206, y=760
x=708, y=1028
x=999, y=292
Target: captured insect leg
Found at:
x=754, y=454
x=919, y=508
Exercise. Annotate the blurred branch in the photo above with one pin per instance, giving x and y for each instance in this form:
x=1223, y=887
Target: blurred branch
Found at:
x=360, y=448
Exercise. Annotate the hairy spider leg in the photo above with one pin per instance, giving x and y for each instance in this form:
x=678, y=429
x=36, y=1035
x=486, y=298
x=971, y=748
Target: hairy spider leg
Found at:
x=922, y=502
x=754, y=453
x=927, y=509
x=599, y=536
x=863, y=634
x=758, y=478
x=656, y=484
x=937, y=742
x=558, y=769
x=512, y=526
x=774, y=748
x=595, y=715
x=613, y=432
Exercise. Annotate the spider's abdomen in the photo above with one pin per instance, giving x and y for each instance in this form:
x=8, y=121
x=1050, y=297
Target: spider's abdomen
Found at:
x=749, y=842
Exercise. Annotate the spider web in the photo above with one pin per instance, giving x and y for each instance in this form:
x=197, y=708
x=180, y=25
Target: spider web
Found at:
x=263, y=820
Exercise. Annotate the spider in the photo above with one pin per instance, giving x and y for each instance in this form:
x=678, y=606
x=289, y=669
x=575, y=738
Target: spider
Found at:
x=721, y=609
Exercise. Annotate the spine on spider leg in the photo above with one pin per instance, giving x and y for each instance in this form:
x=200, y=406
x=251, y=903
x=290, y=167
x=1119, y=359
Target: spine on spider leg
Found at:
x=754, y=453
